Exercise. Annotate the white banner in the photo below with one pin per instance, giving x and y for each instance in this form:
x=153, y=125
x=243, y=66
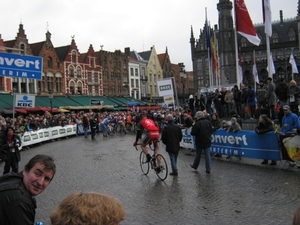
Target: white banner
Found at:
x=165, y=89
x=47, y=134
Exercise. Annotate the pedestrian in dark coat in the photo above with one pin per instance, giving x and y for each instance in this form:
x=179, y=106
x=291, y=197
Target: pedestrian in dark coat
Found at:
x=171, y=137
x=10, y=144
x=202, y=129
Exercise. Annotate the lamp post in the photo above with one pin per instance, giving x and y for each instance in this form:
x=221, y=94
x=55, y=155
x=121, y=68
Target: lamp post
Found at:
x=50, y=97
x=144, y=80
x=14, y=103
x=183, y=80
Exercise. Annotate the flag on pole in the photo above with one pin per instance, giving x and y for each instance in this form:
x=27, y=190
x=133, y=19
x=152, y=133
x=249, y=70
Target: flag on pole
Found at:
x=254, y=69
x=240, y=67
x=214, y=56
x=244, y=25
x=267, y=16
x=272, y=65
x=208, y=44
x=293, y=62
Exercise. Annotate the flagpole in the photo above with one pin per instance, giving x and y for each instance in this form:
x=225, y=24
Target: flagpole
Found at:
x=253, y=71
x=236, y=49
x=269, y=57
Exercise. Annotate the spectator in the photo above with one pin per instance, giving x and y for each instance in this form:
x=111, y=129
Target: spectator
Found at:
x=215, y=121
x=281, y=91
x=88, y=208
x=290, y=120
x=244, y=97
x=261, y=96
x=10, y=145
x=293, y=94
x=187, y=121
x=237, y=99
x=171, y=137
x=234, y=126
x=17, y=203
x=265, y=125
x=202, y=129
x=229, y=100
x=251, y=101
x=224, y=108
x=85, y=123
x=271, y=98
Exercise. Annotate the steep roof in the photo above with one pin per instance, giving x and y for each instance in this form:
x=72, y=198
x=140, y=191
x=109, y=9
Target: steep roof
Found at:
x=145, y=55
x=161, y=58
x=62, y=52
x=37, y=47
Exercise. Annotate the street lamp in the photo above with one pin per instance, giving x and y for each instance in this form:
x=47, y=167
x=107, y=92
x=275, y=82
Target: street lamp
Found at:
x=50, y=92
x=14, y=103
x=144, y=80
x=183, y=80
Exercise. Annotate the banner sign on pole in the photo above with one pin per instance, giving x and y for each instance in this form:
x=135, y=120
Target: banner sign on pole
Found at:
x=165, y=89
x=21, y=66
x=25, y=101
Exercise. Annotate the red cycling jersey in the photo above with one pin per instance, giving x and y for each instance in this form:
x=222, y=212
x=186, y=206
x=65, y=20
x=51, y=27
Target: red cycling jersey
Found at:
x=149, y=125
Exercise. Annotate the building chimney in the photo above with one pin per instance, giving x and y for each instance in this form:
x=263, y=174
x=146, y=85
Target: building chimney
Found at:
x=127, y=51
x=281, y=17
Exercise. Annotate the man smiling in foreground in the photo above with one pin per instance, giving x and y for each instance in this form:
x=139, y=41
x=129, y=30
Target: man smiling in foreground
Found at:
x=17, y=190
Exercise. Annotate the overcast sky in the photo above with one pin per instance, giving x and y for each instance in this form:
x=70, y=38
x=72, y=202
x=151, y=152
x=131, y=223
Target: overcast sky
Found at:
x=117, y=24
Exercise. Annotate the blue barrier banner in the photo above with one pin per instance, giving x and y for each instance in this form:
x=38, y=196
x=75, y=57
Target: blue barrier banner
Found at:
x=247, y=144
x=21, y=66
x=80, y=130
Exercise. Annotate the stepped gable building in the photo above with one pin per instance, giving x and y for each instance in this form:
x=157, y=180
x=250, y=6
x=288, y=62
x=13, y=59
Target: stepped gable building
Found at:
x=82, y=72
x=19, y=45
x=154, y=72
x=284, y=41
x=53, y=76
x=142, y=69
x=90, y=82
x=5, y=82
x=115, y=73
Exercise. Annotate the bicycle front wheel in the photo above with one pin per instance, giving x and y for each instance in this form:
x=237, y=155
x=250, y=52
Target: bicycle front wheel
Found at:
x=143, y=163
x=161, y=167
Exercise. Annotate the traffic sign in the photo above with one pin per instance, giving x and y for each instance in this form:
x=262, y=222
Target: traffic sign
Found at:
x=21, y=66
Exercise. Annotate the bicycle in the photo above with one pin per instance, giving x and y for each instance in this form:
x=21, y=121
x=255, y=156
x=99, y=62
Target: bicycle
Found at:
x=157, y=162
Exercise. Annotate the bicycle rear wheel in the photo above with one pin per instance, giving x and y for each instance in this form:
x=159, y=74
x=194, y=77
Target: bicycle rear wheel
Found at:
x=143, y=163
x=161, y=167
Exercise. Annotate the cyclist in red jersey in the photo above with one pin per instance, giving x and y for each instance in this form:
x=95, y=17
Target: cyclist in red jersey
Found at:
x=152, y=134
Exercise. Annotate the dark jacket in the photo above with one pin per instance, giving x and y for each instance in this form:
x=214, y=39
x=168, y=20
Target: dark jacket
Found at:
x=263, y=128
x=202, y=129
x=16, y=204
x=5, y=149
x=188, y=122
x=281, y=91
x=85, y=122
x=171, y=136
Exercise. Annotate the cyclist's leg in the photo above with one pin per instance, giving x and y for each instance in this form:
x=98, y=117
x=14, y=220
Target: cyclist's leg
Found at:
x=145, y=141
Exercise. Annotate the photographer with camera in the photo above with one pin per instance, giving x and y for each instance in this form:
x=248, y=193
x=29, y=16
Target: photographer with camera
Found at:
x=10, y=150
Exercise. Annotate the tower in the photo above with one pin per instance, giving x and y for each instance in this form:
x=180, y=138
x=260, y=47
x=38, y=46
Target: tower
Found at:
x=226, y=43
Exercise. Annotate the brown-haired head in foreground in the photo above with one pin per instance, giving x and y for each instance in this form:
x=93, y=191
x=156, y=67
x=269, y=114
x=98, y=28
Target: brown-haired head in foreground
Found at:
x=46, y=160
x=296, y=220
x=88, y=208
